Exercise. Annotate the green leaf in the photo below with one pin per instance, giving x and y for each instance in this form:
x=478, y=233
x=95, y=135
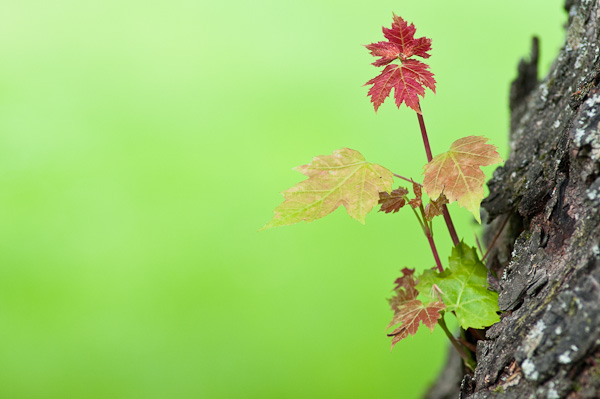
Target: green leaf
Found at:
x=343, y=178
x=463, y=288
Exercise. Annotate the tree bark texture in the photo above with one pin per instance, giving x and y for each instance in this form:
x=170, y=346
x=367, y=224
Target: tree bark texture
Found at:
x=547, y=260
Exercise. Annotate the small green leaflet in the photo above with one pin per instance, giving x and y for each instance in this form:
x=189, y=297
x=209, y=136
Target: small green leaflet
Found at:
x=343, y=178
x=463, y=289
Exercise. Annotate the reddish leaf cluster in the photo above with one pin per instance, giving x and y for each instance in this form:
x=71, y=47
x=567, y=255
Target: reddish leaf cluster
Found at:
x=435, y=208
x=408, y=79
x=392, y=202
x=417, y=201
x=405, y=285
x=409, y=311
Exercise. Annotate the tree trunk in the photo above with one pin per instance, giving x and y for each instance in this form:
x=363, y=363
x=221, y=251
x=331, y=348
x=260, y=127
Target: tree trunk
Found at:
x=547, y=344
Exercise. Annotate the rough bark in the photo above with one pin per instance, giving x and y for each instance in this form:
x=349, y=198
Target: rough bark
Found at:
x=547, y=344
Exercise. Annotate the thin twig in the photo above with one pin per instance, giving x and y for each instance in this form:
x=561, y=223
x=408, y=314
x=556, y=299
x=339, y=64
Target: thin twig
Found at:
x=478, y=243
x=438, y=262
x=461, y=351
x=407, y=179
x=497, y=235
x=451, y=229
x=467, y=344
x=419, y=219
x=424, y=135
x=429, y=236
x=476, y=333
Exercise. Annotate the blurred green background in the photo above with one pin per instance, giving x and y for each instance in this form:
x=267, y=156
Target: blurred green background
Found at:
x=142, y=145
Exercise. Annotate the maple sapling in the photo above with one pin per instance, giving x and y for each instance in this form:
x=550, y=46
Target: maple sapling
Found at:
x=346, y=178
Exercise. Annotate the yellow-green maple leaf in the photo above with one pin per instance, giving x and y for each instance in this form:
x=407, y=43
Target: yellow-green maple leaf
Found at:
x=457, y=172
x=343, y=178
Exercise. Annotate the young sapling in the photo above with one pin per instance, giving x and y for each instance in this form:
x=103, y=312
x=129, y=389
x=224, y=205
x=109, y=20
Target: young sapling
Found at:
x=346, y=178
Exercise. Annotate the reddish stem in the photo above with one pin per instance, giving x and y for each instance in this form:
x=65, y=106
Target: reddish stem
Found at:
x=424, y=134
x=478, y=243
x=405, y=178
x=468, y=345
x=496, y=236
x=429, y=234
x=445, y=212
x=450, y=225
x=461, y=350
x=427, y=231
x=438, y=262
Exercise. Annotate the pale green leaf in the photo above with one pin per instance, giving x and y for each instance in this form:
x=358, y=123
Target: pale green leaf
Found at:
x=343, y=178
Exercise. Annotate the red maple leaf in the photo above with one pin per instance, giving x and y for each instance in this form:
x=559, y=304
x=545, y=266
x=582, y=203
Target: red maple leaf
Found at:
x=419, y=47
x=417, y=201
x=405, y=288
x=435, y=208
x=392, y=202
x=411, y=315
x=386, y=50
x=408, y=79
x=409, y=312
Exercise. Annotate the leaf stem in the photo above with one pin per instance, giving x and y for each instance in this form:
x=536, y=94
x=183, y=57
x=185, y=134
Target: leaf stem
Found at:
x=496, y=236
x=445, y=212
x=478, y=243
x=419, y=219
x=429, y=235
x=450, y=225
x=434, y=249
x=426, y=226
x=405, y=178
x=424, y=135
x=461, y=351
